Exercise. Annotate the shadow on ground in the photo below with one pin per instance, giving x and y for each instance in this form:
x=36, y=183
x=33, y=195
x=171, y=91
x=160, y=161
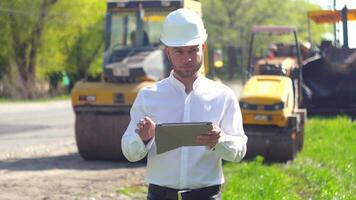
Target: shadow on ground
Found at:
x=70, y=161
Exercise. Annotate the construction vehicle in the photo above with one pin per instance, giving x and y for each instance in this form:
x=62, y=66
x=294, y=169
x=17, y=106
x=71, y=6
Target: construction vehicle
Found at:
x=270, y=100
x=329, y=77
x=133, y=58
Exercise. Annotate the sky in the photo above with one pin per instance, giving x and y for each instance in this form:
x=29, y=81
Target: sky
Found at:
x=351, y=4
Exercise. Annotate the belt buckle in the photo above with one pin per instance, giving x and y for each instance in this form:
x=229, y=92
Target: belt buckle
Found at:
x=180, y=192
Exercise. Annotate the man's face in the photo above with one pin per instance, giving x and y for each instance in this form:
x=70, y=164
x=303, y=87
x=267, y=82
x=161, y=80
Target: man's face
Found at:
x=186, y=61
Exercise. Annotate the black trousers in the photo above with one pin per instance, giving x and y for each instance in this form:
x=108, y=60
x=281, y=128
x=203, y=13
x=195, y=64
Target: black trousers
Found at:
x=156, y=192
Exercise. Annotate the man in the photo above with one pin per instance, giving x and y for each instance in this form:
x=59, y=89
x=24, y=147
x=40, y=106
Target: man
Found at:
x=185, y=96
x=272, y=50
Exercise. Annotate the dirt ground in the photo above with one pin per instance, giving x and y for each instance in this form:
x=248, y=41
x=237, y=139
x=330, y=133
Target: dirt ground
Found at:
x=58, y=172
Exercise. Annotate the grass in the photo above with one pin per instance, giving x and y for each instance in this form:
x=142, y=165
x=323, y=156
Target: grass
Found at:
x=324, y=170
x=134, y=192
x=43, y=99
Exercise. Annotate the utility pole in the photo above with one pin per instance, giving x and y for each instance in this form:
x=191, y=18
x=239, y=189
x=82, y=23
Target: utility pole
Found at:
x=335, y=41
x=344, y=26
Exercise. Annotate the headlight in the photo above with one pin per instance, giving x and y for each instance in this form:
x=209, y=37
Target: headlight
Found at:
x=243, y=105
x=119, y=98
x=277, y=106
x=248, y=106
x=89, y=98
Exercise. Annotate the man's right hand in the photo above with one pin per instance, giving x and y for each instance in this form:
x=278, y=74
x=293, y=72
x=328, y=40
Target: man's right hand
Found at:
x=146, y=129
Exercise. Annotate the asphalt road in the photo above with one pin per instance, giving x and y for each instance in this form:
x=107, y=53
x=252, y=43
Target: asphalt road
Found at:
x=30, y=128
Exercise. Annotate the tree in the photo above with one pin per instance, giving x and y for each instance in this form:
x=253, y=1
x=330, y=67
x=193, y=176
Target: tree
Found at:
x=25, y=34
x=4, y=42
x=232, y=20
x=85, y=51
x=39, y=38
x=74, y=40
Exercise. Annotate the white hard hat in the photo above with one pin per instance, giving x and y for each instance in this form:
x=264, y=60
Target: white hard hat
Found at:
x=183, y=27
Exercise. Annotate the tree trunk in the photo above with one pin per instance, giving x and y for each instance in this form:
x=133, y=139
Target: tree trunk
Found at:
x=232, y=61
x=25, y=48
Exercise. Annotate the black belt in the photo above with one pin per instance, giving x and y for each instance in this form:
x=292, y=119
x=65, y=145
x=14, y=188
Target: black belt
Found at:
x=189, y=194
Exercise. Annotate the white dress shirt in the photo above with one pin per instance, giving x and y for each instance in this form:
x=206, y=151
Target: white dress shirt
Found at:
x=187, y=167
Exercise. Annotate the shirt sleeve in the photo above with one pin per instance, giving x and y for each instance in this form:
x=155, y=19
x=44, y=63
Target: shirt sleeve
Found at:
x=132, y=145
x=232, y=141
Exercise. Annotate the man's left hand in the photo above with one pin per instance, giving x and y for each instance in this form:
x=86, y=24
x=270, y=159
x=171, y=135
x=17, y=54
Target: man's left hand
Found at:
x=209, y=138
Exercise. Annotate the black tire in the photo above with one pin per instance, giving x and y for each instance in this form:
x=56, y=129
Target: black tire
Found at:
x=98, y=137
x=301, y=138
x=293, y=146
x=285, y=149
x=303, y=117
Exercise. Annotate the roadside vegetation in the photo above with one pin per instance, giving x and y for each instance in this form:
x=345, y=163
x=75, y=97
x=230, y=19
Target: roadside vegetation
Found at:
x=134, y=192
x=325, y=169
x=41, y=99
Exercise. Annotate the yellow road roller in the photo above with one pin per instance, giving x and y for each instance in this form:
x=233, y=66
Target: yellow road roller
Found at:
x=270, y=99
x=133, y=58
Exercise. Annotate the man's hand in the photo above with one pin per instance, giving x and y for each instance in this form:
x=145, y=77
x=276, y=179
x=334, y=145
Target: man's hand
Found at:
x=209, y=138
x=146, y=129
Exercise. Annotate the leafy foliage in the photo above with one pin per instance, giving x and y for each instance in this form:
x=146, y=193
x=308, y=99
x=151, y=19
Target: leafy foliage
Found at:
x=85, y=51
x=73, y=36
x=24, y=24
x=232, y=19
x=229, y=24
x=39, y=37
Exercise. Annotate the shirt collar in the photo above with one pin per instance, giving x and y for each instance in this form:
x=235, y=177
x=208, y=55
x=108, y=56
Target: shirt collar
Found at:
x=177, y=83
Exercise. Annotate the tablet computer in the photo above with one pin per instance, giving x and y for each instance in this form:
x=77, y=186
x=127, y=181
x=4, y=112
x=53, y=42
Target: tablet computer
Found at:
x=173, y=135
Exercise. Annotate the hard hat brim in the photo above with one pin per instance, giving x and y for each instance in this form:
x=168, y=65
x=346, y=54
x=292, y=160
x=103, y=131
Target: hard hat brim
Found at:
x=184, y=43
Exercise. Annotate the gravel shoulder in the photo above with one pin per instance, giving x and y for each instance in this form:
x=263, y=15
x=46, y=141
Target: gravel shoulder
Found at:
x=39, y=157
x=63, y=174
